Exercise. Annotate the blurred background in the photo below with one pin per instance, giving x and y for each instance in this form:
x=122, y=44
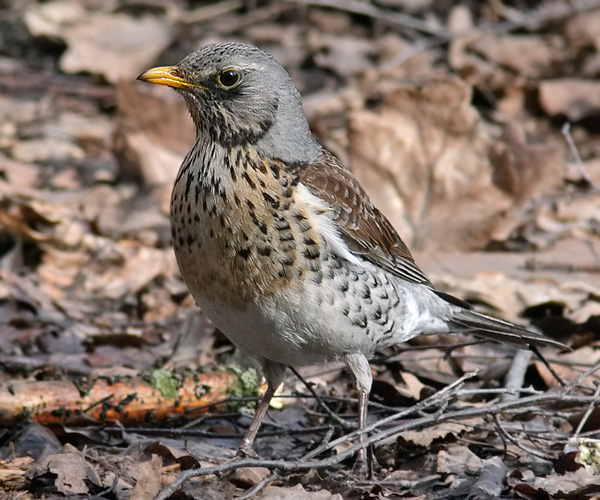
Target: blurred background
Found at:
x=473, y=125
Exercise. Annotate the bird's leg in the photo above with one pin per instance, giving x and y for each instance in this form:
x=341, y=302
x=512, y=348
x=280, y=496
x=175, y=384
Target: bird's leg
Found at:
x=361, y=457
x=360, y=368
x=274, y=373
x=248, y=441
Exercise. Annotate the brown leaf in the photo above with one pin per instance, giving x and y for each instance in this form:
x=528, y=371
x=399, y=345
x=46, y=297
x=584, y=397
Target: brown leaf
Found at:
x=424, y=437
x=297, y=493
x=458, y=460
x=147, y=476
x=529, y=55
x=572, y=485
x=526, y=169
x=424, y=156
x=70, y=469
x=572, y=97
x=116, y=46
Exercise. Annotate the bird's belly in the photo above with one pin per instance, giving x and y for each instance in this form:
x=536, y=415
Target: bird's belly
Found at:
x=316, y=317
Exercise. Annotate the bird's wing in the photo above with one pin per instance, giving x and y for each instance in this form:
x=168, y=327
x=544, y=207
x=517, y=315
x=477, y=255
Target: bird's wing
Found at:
x=364, y=229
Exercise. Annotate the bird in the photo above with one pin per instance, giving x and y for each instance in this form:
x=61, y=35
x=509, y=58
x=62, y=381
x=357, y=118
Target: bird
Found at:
x=280, y=245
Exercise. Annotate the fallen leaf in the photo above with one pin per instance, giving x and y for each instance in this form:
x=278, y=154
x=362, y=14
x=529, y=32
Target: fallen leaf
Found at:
x=458, y=460
x=297, y=493
x=70, y=470
x=117, y=46
x=147, y=476
x=424, y=155
x=572, y=97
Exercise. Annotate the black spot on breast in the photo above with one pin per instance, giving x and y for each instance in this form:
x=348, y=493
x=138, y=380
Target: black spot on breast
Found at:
x=265, y=251
x=249, y=180
x=260, y=166
x=377, y=313
x=282, y=224
x=286, y=235
x=275, y=170
x=229, y=166
x=272, y=201
x=360, y=320
x=312, y=252
x=245, y=252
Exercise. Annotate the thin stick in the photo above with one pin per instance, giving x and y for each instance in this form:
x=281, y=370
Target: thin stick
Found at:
x=516, y=375
x=326, y=409
x=586, y=416
x=566, y=131
x=303, y=465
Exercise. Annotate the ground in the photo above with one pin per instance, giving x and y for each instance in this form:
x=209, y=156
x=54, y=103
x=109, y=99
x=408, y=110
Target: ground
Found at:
x=473, y=126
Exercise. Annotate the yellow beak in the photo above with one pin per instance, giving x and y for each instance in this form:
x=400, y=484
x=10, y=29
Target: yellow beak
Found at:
x=167, y=75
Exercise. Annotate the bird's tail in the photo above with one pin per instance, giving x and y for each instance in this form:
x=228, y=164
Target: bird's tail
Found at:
x=489, y=328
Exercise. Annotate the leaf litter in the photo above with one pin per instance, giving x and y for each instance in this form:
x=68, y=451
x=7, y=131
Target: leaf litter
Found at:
x=451, y=118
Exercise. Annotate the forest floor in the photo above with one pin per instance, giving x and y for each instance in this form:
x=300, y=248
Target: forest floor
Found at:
x=474, y=126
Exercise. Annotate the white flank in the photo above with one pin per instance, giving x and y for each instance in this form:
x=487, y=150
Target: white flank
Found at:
x=324, y=224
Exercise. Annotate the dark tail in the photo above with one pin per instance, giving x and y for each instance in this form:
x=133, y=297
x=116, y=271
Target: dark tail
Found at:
x=490, y=328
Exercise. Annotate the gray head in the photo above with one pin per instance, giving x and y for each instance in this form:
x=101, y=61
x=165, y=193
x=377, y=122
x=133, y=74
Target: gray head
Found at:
x=238, y=94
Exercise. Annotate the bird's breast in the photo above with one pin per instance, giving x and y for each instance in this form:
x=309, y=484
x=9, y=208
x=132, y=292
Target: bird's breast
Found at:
x=240, y=229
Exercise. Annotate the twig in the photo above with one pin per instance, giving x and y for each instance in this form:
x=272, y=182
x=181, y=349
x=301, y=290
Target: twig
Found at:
x=577, y=380
x=303, y=464
x=259, y=486
x=508, y=436
x=324, y=444
x=566, y=131
x=548, y=366
x=370, y=10
x=436, y=398
x=326, y=409
x=586, y=415
x=516, y=375
x=211, y=11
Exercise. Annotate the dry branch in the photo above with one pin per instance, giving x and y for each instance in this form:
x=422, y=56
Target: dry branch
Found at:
x=129, y=400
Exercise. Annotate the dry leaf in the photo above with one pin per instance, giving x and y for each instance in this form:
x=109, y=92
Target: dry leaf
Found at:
x=572, y=97
x=117, y=46
x=458, y=460
x=424, y=437
x=147, y=476
x=424, y=156
x=529, y=55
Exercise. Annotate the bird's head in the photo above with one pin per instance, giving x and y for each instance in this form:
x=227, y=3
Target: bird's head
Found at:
x=238, y=94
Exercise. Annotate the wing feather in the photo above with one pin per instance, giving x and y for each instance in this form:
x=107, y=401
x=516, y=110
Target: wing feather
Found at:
x=366, y=231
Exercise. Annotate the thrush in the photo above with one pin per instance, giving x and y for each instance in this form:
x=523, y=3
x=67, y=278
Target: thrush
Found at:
x=280, y=245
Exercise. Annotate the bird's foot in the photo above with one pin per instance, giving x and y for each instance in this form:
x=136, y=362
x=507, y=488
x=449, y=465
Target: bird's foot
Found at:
x=360, y=470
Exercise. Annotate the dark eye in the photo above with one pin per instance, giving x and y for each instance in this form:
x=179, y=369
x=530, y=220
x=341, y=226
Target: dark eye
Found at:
x=229, y=78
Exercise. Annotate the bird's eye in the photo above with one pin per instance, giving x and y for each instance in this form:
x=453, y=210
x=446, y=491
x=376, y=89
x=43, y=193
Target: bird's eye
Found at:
x=229, y=78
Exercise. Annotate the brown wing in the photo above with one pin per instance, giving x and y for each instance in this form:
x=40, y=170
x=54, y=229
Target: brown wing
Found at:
x=363, y=227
